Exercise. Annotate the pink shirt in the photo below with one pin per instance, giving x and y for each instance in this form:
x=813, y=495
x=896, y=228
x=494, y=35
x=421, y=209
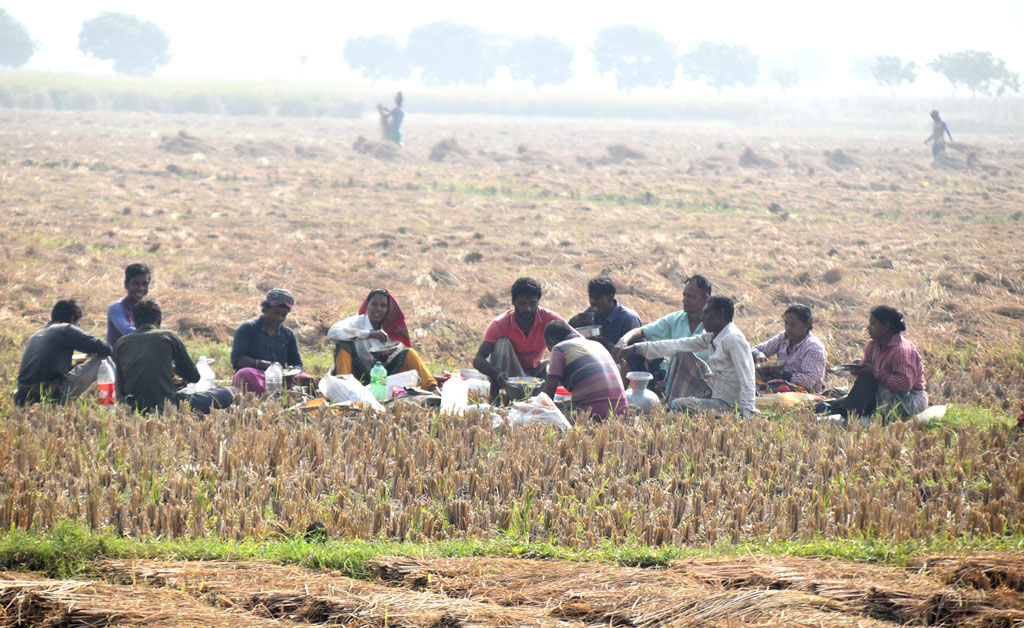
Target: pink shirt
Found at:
x=529, y=348
x=897, y=365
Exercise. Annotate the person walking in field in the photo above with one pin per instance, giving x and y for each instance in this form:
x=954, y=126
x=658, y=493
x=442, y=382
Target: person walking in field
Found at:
x=121, y=313
x=391, y=120
x=940, y=130
x=45, y=373
x=147, y=360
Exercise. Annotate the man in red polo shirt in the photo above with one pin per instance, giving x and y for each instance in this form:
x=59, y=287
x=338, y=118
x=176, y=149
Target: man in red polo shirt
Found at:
x=513, y=344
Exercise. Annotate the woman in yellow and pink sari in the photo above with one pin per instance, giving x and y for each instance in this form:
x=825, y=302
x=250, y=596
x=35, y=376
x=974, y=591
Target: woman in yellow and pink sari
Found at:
x=377, y=333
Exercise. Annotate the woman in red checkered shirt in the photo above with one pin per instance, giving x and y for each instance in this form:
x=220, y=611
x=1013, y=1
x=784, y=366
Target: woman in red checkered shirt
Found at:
x=892, y=364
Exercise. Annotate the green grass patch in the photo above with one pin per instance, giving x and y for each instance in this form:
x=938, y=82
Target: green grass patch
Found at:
x=67, y=549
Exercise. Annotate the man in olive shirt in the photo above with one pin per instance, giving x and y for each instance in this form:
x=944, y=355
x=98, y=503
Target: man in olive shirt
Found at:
x=46, y=373
x=146, y=363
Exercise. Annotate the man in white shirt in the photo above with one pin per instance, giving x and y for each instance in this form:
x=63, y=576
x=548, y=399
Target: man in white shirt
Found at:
x=732, y=380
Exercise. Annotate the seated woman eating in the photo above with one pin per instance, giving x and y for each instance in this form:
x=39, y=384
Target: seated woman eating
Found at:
x=377, y=333
x=800, y=356
x=890, y=378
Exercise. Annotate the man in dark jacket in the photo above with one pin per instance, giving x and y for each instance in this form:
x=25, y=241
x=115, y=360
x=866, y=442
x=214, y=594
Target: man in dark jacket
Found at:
x=46, y=373
x=147, y=361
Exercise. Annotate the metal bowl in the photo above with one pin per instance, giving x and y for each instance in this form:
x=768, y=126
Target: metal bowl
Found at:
x=517, y=388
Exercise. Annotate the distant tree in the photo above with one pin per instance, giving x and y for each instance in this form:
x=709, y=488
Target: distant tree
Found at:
x=792, y=67
x=449, y=53
x=891, y=72
x=721, y=65
x=16, y=47
x=863, y=67
x=540, y=59
x=136, y=47
x=786, y=77
x=637, y=56
x=979, y=72
x=376, y=56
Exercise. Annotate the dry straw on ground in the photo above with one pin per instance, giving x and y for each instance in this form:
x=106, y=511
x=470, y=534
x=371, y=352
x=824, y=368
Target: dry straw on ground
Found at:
x=477, y=592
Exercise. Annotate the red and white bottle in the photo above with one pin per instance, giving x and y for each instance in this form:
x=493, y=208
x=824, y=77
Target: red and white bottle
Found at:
x=105, y=384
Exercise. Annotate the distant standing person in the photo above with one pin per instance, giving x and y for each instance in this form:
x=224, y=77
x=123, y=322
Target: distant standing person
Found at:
x=391, y=120
x=940, y=130
x=121, y=313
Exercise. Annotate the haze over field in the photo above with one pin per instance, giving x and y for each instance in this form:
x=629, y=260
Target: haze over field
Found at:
x=259, y=41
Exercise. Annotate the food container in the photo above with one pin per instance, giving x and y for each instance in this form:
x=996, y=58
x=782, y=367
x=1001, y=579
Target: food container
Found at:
x=522, y=387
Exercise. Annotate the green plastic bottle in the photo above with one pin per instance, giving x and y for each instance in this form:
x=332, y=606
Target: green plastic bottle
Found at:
x=378, y=380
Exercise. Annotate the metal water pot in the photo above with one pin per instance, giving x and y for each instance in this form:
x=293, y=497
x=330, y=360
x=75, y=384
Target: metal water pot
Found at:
x=639, y=398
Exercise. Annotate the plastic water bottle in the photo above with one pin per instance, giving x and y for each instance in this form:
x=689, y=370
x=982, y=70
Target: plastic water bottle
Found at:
x=378, y=381
x=106, y=384
x=274, y=379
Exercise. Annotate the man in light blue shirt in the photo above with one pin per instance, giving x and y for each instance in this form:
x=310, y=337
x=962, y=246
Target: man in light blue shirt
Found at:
x=686, y=370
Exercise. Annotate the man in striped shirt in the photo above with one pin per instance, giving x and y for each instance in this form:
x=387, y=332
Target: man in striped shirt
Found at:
x=587, y=371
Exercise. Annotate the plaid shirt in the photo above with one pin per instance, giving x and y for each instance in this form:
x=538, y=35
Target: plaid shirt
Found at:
x=897, y=365
x=804, y=365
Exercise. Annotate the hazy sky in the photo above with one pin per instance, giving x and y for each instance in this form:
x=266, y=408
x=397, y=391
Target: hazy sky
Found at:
x=265, y=40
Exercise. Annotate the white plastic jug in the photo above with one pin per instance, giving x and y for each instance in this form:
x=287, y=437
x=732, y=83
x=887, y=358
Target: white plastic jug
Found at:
x=454, y=395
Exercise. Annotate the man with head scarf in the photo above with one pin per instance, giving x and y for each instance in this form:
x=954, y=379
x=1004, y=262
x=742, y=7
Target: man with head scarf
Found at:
x=259, y=342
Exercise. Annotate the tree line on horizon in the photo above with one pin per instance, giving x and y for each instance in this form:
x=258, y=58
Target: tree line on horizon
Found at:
x=448, y=53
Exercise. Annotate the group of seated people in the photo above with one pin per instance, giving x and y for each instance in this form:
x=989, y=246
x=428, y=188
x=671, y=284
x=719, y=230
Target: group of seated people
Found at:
x=700, y=358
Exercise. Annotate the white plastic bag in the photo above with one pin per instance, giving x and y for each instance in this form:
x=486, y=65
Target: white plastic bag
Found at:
x=207, y=378
x=405, y=379
x=338, y=388
x=538, y=409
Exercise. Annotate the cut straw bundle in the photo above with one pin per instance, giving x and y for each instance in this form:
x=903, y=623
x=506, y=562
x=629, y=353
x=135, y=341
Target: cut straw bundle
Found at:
x=320, y=597
x=82, y=604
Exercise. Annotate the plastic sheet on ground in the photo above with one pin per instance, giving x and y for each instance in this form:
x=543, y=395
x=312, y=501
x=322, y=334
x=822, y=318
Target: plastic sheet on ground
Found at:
x=340, y=388
x=537, y=409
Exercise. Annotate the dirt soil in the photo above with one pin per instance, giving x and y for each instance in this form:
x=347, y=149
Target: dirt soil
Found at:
x=224, y=208
x=973, y=590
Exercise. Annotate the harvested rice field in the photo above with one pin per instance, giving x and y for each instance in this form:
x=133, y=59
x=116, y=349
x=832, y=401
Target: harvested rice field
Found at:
x=225, y=208
x=970, y=590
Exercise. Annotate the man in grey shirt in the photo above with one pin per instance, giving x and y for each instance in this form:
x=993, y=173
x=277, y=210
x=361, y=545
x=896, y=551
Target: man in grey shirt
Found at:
x=46, y=373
